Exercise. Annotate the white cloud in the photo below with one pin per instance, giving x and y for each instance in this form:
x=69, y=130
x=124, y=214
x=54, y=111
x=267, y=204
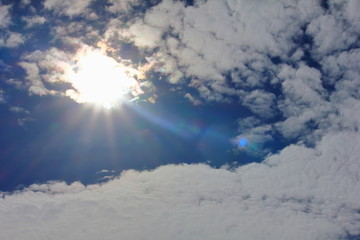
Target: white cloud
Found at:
x=18, y=109
x=84, y=32
x=25, y=2
x=260, y=102
x=213, y=38
x=143, y=35
x=16, y=83
x=252, y=140
x=337, y=30
x=67, y=7
x=5, y=18
x=300, y=193
x=36, y=86
x=192, y=99
x=11, y=39
x=14, y=39
x=122, y=5
x=33, y=21
x=352, y=15
x=217, y=36
x=2, y=96
x=329, y=35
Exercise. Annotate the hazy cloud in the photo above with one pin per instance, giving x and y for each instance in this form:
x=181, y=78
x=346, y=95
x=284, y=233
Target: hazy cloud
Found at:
x=2, y=96
x=33, y=21
x=5, y=18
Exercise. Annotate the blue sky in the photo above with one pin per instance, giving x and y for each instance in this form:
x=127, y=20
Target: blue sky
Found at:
x=211, y=118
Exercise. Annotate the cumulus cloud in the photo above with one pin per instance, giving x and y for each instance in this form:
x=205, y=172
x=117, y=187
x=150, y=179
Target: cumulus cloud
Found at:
x=36, y=85
x=332, y=32
x=143, y=36
x=260, y=102
x=300, y=193
x=217, y=36
x=8, y=38
x=33, y=21
x=11, y=40
x=280, y=60
x=122, y=5
x=67, y=7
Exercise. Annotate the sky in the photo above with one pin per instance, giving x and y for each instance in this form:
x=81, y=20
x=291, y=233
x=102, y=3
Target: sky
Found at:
x=169, y=119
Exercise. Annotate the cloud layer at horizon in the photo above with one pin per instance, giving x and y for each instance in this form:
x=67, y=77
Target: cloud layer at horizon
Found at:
x=300, y=193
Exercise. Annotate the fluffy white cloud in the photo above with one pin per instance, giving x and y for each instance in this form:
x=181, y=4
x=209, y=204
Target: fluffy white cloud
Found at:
x=33, y=21
x=260, y=102
x=208, y=40
x=8, y=38
x=337, y=31
x=300, y=193
x=67, y=7
x=36, y=85
x=122, y=5
x=12, y=40
x=329, y=35
x=217, y=36
x=144, y=35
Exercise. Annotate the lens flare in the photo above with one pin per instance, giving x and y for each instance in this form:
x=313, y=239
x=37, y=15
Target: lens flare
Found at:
x=242, y=142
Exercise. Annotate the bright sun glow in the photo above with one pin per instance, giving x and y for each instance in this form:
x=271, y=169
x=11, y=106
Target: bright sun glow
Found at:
x=99, y=79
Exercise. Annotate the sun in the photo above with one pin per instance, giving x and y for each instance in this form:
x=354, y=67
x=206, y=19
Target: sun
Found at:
x=99, y=79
